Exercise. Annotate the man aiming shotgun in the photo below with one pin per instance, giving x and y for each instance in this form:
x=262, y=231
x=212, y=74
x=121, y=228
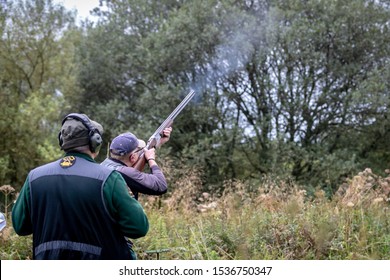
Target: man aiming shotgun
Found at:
x=128, y=155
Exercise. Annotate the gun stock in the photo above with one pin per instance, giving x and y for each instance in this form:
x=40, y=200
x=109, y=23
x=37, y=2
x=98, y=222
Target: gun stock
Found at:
x=140, y=164
x=154, y=140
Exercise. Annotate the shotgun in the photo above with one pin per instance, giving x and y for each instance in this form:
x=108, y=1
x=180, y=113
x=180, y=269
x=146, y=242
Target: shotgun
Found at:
x=154, y=140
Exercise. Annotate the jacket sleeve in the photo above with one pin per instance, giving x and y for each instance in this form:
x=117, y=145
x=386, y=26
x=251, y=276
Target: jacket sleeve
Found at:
x=127, y=211
x=21, y=212
x=151, y=184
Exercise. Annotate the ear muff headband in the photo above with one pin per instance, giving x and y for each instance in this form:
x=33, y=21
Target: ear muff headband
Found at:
x=95, y=139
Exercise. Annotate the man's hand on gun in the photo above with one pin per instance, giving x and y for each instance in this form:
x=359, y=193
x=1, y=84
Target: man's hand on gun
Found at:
x=150, y=155
x=166, y=134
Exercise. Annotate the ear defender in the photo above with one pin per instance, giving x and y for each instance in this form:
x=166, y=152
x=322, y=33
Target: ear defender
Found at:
x=60, y=141
x=95, y=139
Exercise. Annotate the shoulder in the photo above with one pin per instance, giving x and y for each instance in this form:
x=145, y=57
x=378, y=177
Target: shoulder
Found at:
x=113, y=164
x=72, y=165
x=45, y=169
x=129, y=171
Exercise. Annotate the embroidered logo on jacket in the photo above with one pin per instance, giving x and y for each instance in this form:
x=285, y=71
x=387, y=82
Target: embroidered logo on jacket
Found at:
x=67, y=161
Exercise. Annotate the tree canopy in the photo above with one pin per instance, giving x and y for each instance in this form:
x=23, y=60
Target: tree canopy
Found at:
x=293, y=89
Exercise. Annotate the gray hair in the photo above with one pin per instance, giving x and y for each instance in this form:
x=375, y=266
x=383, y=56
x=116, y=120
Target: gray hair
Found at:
x=120, y=157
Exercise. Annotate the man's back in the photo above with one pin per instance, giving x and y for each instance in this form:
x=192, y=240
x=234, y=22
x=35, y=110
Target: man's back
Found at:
x=76, y=208
x=69, y=216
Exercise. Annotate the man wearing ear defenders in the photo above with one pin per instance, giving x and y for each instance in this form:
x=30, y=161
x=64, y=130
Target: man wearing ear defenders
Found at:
x=76, y=208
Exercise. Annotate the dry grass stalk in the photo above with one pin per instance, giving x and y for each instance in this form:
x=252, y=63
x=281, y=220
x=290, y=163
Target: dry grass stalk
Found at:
x=365, y=189
x=6, y=190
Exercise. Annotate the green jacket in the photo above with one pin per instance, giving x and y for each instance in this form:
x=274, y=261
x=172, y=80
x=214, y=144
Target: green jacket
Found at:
x=128, y=214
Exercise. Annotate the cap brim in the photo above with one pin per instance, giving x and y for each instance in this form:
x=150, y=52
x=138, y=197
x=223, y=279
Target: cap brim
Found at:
x=141, y=144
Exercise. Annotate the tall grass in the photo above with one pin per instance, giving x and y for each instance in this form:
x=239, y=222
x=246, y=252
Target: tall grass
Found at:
x=276, y=220
x=14, y=247
x=295, y=230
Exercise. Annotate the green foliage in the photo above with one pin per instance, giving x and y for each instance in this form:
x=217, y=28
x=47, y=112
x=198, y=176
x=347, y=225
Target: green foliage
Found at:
x=35, y=67
x=14, y=247
x=283, y=88
x=4, y=168
x=33, y=119
x=289, y=89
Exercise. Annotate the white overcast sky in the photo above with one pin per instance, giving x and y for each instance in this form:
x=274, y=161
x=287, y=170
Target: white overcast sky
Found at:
x=82, y=6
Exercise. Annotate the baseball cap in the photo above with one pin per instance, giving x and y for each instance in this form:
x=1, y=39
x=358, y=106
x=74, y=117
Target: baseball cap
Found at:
x=126, y=143
x=75, y=133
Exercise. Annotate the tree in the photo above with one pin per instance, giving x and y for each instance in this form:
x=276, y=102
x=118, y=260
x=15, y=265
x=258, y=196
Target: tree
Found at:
x=281, y=84
x=308, y=60
x=33, y=65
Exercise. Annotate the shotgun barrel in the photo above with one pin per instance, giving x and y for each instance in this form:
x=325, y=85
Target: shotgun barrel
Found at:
x=154, y=140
